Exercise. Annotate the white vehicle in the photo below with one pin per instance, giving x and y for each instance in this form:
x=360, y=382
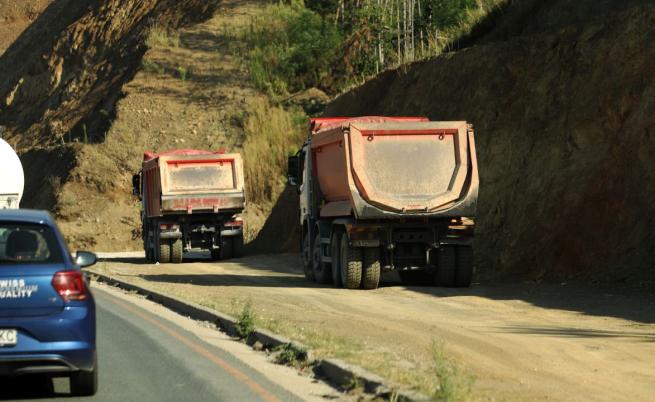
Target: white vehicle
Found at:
x=12, y=178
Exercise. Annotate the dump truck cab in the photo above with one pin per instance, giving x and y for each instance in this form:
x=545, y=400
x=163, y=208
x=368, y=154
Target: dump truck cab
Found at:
x=382, y=194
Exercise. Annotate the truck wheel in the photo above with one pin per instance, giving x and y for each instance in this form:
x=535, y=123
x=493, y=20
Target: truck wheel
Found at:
x=464, y=270
x=351, y=264
x=237, y=246
x=445, y=275
x=164, y=251
x=307, y=257
x=226, y=250
x=371, y=273
x=335, y=248
x=176, y=251
x=216, y=254
x=322, y=273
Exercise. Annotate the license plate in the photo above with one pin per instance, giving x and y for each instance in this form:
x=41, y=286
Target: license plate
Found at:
x=8, y=337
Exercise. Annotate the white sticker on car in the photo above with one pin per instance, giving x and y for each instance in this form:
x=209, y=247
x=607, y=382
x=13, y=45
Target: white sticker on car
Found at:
x=16, y=289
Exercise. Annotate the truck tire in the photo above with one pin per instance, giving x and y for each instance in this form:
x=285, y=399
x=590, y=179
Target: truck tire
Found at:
x=335, y=254
x=464, y=267
x=445, y=275
x=149, y=251
x=216, y=254
x=176, y=251
x=351, y=264
x=238, y=247
x=226, y=251
x=371, y=272
x=306, y=254
x=322, y=273
x=164, y=251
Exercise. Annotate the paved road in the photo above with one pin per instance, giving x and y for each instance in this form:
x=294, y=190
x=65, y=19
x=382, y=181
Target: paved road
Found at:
x=144, y=356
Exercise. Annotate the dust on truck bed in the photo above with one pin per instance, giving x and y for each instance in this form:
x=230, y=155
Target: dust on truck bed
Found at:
x=191, y=199
x=386, y=193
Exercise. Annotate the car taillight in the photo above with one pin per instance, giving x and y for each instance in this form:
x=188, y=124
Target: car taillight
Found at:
x=70, y=285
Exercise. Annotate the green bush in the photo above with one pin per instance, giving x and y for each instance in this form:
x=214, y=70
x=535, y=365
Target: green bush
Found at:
x=245, y=324
x=293, y=48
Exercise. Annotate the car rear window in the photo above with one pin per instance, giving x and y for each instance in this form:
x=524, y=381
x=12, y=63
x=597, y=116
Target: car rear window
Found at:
x=28, y=244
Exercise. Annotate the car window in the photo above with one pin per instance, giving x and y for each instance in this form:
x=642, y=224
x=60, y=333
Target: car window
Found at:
x=28, y=244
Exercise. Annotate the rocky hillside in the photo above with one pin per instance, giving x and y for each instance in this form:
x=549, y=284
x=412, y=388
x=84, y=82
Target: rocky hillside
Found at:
x=89, y=86
x=563, y=99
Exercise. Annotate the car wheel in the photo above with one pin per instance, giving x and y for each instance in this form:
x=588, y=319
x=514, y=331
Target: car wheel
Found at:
x=84, y=383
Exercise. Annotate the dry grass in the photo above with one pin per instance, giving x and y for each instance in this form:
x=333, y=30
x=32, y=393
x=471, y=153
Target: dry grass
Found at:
x=162, y=37
x=272, y=133
x=454, y=385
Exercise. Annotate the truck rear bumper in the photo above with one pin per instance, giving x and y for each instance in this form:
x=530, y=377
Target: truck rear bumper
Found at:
x=202, y=203
x=410, y=245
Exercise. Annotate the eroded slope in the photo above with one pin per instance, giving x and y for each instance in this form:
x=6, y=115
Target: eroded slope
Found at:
x=565, y=141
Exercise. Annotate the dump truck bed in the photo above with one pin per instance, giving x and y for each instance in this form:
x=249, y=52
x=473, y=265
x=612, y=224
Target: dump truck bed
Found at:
x=384, y=167
x=191, y=182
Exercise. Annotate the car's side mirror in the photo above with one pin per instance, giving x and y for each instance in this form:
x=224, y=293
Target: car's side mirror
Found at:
x=292, y=171
x=85, y=259
x=136, y=185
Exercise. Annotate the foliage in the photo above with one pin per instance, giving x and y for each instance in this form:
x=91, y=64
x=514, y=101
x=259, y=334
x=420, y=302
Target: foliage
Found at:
x=245, y=324
x=453, y=384
x=387, y=33
x=162, y=37
x=182, y=72
x=289, y=355
x=292, y=48
x=152, y=67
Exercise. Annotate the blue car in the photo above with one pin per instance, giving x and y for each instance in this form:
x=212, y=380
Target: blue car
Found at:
x=47, y=312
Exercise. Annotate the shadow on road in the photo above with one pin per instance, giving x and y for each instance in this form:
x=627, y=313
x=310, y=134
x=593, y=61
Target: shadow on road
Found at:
x=285, y=270
x=597, y=300
x=28, y=387
x=577, y=333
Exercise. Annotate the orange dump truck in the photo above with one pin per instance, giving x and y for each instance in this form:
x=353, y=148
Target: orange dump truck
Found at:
x=381, y=194
x=191, y=200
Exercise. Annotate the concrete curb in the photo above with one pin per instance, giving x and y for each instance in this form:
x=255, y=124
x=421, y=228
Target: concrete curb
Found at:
x=337, y=372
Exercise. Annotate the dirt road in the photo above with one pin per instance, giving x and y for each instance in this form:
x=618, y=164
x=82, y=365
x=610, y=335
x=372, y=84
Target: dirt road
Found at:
x=514, y=341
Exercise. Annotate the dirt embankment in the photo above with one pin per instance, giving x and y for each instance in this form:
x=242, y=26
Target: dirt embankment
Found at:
x=564, y=116
x=89, y=86
x=15, y=16
x=63, y=74
x=62, y=79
